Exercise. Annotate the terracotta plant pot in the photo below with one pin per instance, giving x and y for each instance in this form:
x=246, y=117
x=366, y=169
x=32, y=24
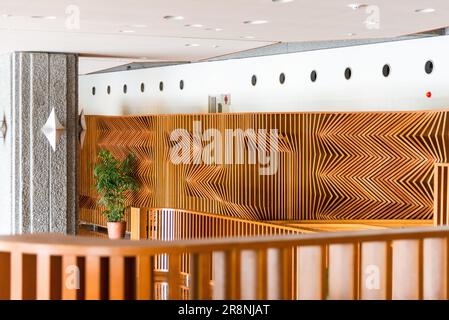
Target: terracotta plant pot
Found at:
x=116, y=230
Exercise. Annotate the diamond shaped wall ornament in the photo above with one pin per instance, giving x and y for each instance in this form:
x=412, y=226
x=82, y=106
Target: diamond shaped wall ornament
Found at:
x=3, y=128
x=53, y=130
x=83, y=128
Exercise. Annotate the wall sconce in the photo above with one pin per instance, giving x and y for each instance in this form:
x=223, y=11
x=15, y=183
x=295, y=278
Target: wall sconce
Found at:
x=3, y=128
x=53, y=130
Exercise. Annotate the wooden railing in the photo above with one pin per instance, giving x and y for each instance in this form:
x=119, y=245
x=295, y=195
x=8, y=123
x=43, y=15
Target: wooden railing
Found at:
x=386, y=264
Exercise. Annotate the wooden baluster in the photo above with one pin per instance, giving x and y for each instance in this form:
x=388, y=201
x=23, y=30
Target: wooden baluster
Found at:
x=5, y=275
x=286, y=273
x=262, y=276
x=174, y=276
x=200, y=276
x=70, y=277
x=249, y=276
x=145, y=281
x=232, y=275
x=43, y=276
x=117, y=278
x=374, y=271
x=93, y=278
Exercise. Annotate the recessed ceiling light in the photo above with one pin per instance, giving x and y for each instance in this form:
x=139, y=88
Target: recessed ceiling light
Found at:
x=43, y=17
x=169, y=17
x=255, y=22
x=195, y=25
x=192, y=45
x=426, y=10
x=213, y=29
x=282, y=1
x=6, y=15
x=350, y=34
x=248, y=37
x=356, y=6
x=127, y=31
x=216, y=46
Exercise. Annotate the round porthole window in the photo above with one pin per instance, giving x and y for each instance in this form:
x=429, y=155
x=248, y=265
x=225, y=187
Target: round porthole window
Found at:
x=125, y=88
x=313, y=76
x=108, y=90
x=161, y=86
x=142, y=87
x=348, y=73
x=386, y=70
x=282, y=78
x=181, y=84
x=93, y=91
x=254, y=80
x=429, y=67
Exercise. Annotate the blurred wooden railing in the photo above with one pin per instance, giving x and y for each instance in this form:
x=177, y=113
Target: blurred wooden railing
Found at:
x=385, y=264
x=441, y=194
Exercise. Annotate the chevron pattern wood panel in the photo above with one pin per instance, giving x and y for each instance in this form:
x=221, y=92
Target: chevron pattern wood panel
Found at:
x=331, y=166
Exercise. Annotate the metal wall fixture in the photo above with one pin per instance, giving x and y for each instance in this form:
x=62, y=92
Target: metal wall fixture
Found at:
x=53, y=130
x=3, y=128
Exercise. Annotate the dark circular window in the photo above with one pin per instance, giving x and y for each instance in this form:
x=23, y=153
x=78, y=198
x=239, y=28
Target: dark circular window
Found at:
x=348, y=73
x=313, y=76
x=181, y=84
x=125, y=88
x=282, y=78
x=386, y=70
x=109, y=89
x=93, y=91
x=429, y=67
x=254, y=80
x=142, y=87
x=161, y=86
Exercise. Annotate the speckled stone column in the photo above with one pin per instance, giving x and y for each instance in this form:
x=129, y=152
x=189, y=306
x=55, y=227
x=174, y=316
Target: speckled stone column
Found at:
x=44, y=186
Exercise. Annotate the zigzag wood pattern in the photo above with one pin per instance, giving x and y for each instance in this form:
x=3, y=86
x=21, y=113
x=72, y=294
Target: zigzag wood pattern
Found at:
x=332, y=166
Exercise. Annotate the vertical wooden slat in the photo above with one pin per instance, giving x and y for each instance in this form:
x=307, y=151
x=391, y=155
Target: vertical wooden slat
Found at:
x=43, y=277
x=286, y=274
x=200, y=272
x=70, y=277
x=435, y=271
x=233, y=275
x=261, y=274
x=174, y=276
x=117, y=278
x=5, y=275
x=145, y=282
x=93, y=274
x=374, y=271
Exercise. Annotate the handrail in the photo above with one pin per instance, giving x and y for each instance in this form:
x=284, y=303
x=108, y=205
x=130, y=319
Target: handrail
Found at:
x=407, y=263
x=61, y=244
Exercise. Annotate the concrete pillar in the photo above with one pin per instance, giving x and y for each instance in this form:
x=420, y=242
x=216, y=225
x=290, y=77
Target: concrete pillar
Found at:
x=43, y=183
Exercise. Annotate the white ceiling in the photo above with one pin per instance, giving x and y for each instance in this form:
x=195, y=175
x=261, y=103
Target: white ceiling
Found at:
x=160, y=39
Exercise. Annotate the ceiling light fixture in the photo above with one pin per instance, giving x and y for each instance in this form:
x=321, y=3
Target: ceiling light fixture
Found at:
x=213, y=29
x=216, y=46
x=255, y=22
x=5, y=15
x=248, y=37
x=127, y=31
x=282, y=1
x=426, y=10
x=356, y=6
x=192, y=45
x=43, y=17
x=169, y=17
x=350, y=34
x=195, y=25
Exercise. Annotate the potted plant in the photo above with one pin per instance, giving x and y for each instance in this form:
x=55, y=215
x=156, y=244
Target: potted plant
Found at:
x=113, y=178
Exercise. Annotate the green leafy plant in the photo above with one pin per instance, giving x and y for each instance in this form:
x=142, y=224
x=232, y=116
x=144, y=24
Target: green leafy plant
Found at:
x=113, y=178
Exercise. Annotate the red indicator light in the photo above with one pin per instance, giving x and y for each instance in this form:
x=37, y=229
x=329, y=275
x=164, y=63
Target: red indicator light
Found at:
x=429, y=94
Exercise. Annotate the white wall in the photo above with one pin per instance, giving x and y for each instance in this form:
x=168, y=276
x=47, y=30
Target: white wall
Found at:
x=404, y=89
